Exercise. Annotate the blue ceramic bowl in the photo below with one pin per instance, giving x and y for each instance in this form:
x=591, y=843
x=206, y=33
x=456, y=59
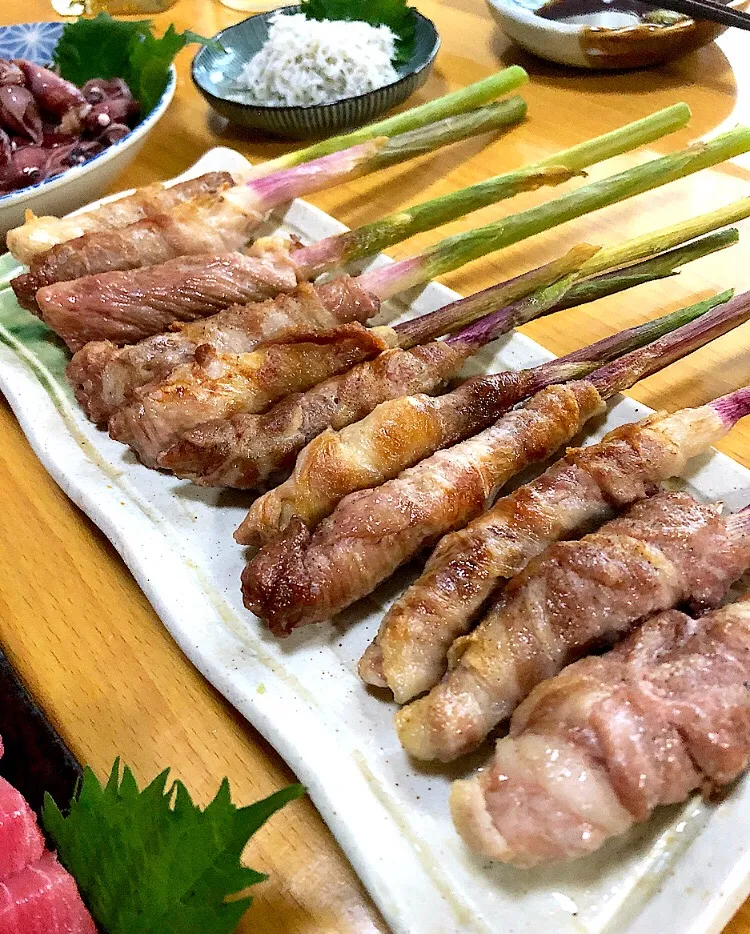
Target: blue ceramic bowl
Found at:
x=33, y=41
x=215, y=71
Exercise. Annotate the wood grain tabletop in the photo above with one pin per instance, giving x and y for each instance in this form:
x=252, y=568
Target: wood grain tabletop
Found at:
x=72, y=620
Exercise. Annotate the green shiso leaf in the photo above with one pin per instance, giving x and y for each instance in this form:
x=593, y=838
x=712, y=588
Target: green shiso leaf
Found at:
x=395, y=14
x=97, y=48
x=152, y=862
x=104, y=47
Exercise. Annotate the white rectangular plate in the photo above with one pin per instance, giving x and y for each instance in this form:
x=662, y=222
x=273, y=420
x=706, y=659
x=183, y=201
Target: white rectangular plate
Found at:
x=685, y=871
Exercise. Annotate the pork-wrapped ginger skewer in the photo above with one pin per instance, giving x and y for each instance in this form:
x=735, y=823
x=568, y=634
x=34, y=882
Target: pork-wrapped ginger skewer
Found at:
x=573, y=598
x=126, y=306
x=577, y=493
x=254, y=451
x=105, y=376
x=226, y=220
x=38, y=234
x=601, y=745
x=305, y=577
x=217, y=386
x=404, y=431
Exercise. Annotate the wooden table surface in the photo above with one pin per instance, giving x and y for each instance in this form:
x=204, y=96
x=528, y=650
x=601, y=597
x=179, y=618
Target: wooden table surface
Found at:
x=73, y=621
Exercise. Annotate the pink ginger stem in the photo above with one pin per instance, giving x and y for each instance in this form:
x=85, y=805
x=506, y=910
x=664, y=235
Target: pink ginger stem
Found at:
x=265, y=193
x=732, y=407
x=634, y=366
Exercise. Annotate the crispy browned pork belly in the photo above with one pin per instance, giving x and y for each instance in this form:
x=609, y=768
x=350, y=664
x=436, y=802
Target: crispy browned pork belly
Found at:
x=105, y=376
x=572, y=599
x=253, y=451
x=206, y=225
x=305, y=577
x=399, y=433
x=37, y=236
x=597, y=748
x=125, y=307
x=583, y=489
x=395, y=436
x=219, y=385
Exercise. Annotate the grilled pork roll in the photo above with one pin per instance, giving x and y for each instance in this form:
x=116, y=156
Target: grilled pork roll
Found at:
x=105, y=376
x=39, y=234
x=572, y=599
x=597, y=748
x=125, y=307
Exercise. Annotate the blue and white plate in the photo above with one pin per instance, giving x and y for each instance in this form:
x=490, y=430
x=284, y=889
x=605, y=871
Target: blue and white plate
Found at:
x=33, y=41
x=78, y=185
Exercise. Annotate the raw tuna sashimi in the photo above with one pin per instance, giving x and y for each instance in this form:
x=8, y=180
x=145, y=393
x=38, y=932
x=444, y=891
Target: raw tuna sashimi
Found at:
x=21, y=842
x=43, y=899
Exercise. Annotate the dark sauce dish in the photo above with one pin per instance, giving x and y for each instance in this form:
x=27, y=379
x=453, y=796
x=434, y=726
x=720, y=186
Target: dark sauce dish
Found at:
x=603, y=34
x=217, y=66
x=35, y=760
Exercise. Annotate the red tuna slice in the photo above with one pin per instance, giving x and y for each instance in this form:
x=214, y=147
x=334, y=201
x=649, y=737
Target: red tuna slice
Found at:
x=43, y=899
x=21, y=842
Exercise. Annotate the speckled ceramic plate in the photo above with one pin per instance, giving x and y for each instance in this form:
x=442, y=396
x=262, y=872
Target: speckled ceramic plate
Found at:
x=685, y=871
x=616, y=40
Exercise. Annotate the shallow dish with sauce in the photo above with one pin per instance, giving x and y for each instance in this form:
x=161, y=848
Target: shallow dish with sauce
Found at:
x=603, y=34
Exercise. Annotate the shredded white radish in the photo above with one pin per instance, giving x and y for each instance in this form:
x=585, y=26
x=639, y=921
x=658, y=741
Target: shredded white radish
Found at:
x=305, y=62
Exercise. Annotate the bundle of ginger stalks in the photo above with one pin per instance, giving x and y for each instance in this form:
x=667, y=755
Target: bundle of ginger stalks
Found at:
x=125, y=305
x=38, y=234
